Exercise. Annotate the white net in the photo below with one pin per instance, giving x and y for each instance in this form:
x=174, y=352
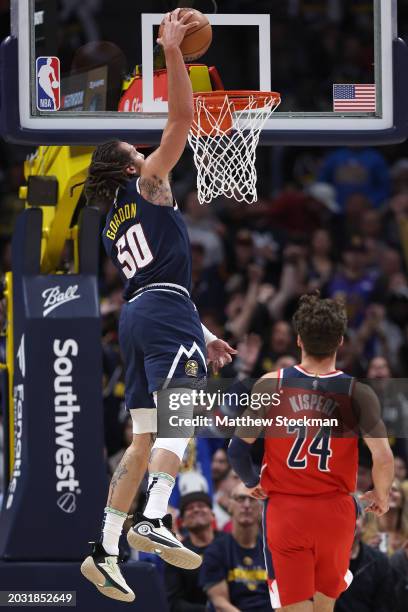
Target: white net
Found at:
x=224, y=142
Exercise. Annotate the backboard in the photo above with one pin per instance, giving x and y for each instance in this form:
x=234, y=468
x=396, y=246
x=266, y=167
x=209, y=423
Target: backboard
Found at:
x=339, y=66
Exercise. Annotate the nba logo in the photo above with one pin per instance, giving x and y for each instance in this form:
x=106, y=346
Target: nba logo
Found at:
x=48, y=83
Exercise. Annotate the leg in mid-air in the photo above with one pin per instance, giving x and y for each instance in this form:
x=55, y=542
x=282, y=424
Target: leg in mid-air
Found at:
x=151, y=531
x=101, y=567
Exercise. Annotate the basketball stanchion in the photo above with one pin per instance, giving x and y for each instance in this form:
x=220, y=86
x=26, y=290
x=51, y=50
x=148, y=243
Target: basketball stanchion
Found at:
x=224, y=137
x=57, y=414
x=58, y=476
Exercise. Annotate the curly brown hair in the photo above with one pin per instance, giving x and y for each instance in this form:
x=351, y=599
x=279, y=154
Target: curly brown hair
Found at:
x=320, y=323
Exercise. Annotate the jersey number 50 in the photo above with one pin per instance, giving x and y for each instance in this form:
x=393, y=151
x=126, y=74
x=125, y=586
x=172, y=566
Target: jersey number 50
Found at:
x=133, y=251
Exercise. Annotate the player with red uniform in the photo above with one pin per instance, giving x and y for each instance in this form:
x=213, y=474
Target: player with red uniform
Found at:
x=309, y=469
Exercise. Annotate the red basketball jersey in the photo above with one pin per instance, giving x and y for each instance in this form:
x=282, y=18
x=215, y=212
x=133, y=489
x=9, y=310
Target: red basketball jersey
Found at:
x=311, y=445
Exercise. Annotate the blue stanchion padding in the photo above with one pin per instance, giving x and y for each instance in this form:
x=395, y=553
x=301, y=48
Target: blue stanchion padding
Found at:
x=142, y=577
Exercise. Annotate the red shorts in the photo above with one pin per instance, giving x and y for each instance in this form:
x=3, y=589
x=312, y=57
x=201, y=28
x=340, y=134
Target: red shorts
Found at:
x=308, y=546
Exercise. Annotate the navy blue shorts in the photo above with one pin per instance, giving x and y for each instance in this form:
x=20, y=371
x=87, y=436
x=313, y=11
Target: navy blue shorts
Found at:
x=162, y=342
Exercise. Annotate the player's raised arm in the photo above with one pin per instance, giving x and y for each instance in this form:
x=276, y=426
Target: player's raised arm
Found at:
x=154, y=174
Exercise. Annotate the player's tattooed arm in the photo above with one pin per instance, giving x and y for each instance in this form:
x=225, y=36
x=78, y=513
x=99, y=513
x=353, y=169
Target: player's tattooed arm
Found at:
x=156, y=190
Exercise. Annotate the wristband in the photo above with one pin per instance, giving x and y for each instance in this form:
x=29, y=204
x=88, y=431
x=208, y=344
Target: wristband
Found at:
x=239, y=454
x=208, y=336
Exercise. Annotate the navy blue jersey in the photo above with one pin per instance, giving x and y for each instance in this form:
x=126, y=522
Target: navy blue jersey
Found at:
x=148, y=243
x=296, y=375
x=242, y=568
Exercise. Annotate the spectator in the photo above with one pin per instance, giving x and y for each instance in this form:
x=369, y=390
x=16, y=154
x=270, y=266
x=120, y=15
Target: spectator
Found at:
x=241, y=306
x=399, y=176
x=400, y=468
x=397, y=222
x=233, y=573
x=347, y=359
x=372, y=233
x=357, y=170
x=222, y=501
x=208, y=287
x=204, y=228
x=392, y=527
x=356, y=204
x=353, y=282
x=393, y=404
x=321, y=260
x=282, y=342
x=248, y=353
x=372, y=587
x=377, y=336
x=286, y=361
x=243, y=248
x=364, y=476
x=219, y=468
x=195, y=472
x=378, y=368
x=298, y=213
x=182, y=586
x=389, y=263
x=399, y=564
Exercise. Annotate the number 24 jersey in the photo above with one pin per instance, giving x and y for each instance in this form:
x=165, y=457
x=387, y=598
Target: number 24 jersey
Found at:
x=304, y=459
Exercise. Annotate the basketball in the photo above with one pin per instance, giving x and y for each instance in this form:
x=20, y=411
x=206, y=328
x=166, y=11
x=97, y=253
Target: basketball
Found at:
x=198, y=39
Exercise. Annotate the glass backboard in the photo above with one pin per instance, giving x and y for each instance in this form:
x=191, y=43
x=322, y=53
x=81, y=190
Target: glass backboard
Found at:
x=80, y=72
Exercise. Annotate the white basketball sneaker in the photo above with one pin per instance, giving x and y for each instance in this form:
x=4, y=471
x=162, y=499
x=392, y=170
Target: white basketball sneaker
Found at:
x=156, y=536
x=103, y=571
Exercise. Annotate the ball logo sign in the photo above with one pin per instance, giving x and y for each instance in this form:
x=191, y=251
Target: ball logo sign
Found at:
x=48, y=83
x=53, y=297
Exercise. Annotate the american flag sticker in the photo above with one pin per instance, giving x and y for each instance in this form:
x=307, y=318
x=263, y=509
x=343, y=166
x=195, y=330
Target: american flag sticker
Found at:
x=354, y=98
x=48, y=83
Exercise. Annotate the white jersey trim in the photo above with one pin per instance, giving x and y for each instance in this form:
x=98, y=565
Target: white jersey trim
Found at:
x=331, y=375
x=160, y=287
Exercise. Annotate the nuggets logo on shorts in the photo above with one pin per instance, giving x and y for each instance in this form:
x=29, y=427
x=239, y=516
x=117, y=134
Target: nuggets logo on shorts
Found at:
x=191, y=368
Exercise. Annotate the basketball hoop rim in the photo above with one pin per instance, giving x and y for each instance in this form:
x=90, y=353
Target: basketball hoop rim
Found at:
x=236, y=96
x=224, y=135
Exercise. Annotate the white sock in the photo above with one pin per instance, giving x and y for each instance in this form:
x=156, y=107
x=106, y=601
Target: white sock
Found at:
x=112, y=530
x=159, y=490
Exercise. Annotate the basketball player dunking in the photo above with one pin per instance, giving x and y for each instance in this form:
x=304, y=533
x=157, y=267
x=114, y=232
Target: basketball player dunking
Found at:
x=309, y=472
x=160, y=334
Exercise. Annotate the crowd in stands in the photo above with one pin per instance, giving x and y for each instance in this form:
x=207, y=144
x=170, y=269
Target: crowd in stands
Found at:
x=344, y=231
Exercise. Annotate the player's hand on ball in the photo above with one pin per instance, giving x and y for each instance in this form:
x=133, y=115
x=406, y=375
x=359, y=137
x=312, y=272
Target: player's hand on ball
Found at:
x=256, y=492
x=175, y=29
x=219, y=354
x=375, y=504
